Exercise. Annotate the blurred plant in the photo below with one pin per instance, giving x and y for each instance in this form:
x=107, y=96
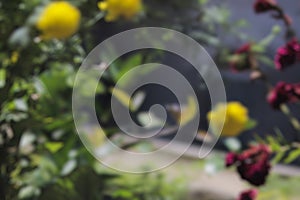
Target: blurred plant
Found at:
x=280, y=187
x=147, y=187
x=253, y=164
x=37, y=143
x=43, y=44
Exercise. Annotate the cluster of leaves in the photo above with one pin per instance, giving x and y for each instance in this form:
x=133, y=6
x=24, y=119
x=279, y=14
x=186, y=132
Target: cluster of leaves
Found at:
x=38, y=145
x=40, y=153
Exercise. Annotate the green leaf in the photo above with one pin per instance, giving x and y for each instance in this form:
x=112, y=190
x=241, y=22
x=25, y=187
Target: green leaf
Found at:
x=16, y=116
x=20, y=37
x=130, y=63
x=278, y=157
x=266, y=60
x=147, y=119
x=121, y=96
x=90, y=82
x=28, y=192
x=132, y=103
x=2, y=78
x=214, y=164
x=276, y=29
x=274, y=144
x=241, y=23
x=293, y=155
x=134, y=76
x=137, y=100
x=21, y=104
x=233, y=144
x=251, y=124
x=68, y=167
x=123, y=194
x=257, y=48
x=203, y=2
x=53, y=147
x=189, y=112
x=26, y=145
x=94, y=20
x=210, y=39
x=267, y=40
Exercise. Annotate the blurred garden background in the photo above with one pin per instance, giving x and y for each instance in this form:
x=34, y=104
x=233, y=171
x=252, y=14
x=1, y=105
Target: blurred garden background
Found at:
x=255, y=45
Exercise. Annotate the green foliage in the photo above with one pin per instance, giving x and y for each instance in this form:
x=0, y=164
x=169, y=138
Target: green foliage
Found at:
x=283, y=150
x=146, y=187
x=280, y=188
x=293, y=155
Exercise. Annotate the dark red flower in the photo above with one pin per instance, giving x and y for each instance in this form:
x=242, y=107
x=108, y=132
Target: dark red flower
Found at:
x=253, y=164
x=241, y=59
x=261, y=6
x=284, y=93
x=279, y=95
x=287, y=55
x=248, y=195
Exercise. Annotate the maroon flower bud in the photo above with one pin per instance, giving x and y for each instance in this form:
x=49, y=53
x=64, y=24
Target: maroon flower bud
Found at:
x=287, y=55
x=278, y=95
x=241, y=58
x=261, y=6
x=230, y=159
x=248, y=195
x=284, y=93
x=253, y=164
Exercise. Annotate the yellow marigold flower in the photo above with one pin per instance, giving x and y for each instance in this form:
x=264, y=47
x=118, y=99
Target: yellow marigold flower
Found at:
x=236, y=118
x=59, y=20
x=120, y=8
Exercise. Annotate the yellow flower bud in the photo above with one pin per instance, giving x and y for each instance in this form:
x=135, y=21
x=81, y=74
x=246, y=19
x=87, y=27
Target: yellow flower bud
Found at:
x=14, y=57
x=116, y=9
x=236, y=118
x=59, y=20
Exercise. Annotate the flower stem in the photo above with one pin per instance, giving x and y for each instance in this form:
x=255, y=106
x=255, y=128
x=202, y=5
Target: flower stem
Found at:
x=283, y=108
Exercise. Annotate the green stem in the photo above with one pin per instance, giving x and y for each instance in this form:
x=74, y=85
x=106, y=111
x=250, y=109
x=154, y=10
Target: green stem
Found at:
x=294, y=121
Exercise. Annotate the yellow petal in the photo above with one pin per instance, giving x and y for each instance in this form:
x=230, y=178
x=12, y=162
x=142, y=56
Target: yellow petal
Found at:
x=102, y=5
